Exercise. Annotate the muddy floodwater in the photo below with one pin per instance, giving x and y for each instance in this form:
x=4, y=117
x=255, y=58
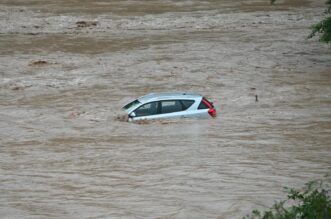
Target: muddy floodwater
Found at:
x=68, y=66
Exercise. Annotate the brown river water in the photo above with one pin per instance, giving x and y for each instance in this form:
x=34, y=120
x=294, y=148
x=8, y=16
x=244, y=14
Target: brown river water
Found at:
x=67, y=67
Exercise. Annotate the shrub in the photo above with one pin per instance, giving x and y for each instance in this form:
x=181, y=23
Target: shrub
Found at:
x=311, y=202
x=323, y=28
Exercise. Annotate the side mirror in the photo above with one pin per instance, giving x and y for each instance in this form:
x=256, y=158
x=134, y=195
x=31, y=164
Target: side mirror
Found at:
x=133, y=114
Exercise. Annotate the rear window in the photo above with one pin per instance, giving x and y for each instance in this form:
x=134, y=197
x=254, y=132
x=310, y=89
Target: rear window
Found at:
x=210, y=103
x=132, y=104
x=205, y=104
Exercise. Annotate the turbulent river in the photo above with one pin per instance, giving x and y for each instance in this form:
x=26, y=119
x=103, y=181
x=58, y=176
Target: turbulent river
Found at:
x=67, y=67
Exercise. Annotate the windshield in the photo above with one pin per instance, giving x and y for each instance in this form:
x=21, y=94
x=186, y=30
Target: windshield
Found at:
x=131, y=104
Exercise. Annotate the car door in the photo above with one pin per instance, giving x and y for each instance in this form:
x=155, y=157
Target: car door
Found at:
x=147, y=111
x=171, y=109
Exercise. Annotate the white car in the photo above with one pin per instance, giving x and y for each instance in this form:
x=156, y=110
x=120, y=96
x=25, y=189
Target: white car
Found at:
x=169, y=105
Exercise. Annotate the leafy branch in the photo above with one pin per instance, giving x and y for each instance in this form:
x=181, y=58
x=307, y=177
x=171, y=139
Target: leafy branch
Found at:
x=323, y=28
x=311, y=202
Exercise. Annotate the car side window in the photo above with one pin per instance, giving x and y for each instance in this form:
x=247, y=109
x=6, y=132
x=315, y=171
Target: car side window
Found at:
x=171, y=106
x=187, y=104
x=147, y=109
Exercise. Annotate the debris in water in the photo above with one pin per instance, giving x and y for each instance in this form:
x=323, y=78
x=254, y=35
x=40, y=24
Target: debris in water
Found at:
x=38, y=63
x=86, y=23
x=19, y=87
x=122, y=118
x=73, y=115
x=32, y=34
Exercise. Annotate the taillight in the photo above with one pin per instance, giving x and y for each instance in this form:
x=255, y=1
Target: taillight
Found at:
x=212, y=112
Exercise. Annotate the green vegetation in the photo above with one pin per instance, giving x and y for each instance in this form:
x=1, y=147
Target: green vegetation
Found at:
x=323, y=28
x=311, y=202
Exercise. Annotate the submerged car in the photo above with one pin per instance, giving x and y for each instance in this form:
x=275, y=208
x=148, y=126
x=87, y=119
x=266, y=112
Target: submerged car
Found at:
x=169, y=105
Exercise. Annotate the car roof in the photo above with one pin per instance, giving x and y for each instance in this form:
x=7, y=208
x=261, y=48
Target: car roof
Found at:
x=167, y=95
